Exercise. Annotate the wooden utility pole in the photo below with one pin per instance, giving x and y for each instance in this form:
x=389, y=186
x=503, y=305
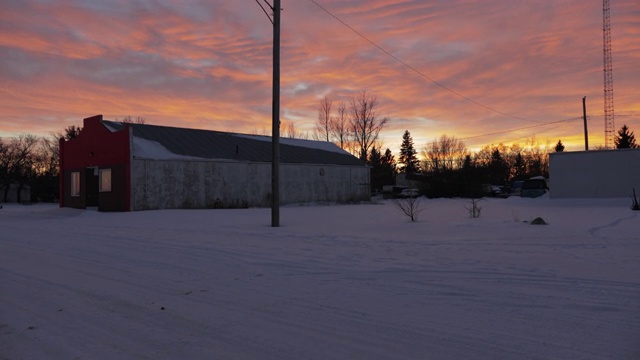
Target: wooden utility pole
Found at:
x=275, y=137
x=584, y=117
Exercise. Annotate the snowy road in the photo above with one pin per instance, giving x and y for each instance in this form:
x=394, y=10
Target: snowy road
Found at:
x=334, y=282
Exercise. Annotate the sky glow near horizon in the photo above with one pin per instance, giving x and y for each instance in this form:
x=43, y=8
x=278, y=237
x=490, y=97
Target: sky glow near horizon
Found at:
x=207, y=65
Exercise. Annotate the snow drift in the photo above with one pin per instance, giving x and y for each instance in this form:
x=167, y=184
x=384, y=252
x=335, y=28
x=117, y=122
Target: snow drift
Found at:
x=334, y=282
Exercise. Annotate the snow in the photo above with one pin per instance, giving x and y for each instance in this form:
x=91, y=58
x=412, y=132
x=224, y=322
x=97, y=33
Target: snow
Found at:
x=148, y=149
x=311, y=144
x=333, y=282
x=109, y=127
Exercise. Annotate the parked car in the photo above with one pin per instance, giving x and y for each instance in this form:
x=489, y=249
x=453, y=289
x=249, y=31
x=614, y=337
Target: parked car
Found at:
x=494, y=190
x=534, y=187
x=516, y=188
x=408, y=193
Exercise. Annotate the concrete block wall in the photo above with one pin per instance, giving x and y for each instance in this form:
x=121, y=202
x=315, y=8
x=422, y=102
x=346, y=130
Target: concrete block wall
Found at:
x=174, y=184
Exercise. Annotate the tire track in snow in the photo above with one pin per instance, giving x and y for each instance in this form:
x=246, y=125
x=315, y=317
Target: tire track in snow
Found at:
x=594, y=230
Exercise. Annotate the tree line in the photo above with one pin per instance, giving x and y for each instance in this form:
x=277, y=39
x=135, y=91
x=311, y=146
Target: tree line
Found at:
x=448, y=169
x=446, y=166
x=31, y=162
x=355, y=127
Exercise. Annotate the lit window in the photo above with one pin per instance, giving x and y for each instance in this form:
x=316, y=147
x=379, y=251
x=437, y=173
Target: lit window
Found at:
x=105, y=180
x=75, y=184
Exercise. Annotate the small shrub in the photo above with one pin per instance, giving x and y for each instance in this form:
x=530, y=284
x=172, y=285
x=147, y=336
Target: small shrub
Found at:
x=237, y=204
x=474, y=210
x=352, y=200
x=635, y=202
x=410, y=206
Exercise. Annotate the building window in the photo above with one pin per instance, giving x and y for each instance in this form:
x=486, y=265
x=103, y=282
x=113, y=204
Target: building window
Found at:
x=105, y=180
x=75, y=184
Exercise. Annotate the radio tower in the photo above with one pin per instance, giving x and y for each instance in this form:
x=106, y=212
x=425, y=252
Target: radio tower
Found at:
x=609, y=125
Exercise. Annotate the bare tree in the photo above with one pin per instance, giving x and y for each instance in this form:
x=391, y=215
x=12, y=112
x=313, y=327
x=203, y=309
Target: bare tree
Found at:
x=17, y=158
x=365, y=122
x=48, y=156
x=537, y=158
x=130, y=120
x=482, y=157
x=474, y=210
x=261, y=132
x=71, y=132
x=340, y=126
x=445, y=153
x=290, y=131
x=322, y=130
x=4, y=166
x=410, y=205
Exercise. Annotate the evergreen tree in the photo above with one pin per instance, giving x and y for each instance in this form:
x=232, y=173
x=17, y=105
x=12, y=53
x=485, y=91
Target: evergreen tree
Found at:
x=408, y=158
x=498, y=168
x=519, y=167
x=382, y=169
x=559, y=146
x=467, y=164
x=470, y=182
x=389, y=166
x=625, y=139
x=374, y=157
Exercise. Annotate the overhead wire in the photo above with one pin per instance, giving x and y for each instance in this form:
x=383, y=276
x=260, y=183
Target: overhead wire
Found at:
x=265, y=10
x=560, y=122
x=521, y=128
x=534, y=134
x=420, y=73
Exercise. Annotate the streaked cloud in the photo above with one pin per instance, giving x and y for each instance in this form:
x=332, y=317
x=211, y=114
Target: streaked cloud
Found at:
x=464, y=68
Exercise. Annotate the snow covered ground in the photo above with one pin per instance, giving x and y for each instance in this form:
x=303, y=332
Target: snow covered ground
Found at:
x=333, y=282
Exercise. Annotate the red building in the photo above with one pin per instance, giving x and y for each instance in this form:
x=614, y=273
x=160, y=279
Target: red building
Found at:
x=95, y=168
x=116, y=166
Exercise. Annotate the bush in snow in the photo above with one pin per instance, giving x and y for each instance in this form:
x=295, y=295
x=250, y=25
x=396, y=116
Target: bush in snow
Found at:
x=410, y=206
x=474, y=209
x=635, y=203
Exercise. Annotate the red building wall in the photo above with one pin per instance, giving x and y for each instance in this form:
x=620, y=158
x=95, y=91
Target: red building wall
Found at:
x=96, y=147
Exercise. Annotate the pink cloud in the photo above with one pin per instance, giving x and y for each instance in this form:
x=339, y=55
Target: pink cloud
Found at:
x=208, y=65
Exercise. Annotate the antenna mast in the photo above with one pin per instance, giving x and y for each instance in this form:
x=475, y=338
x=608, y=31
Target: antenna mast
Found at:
x=609, y=124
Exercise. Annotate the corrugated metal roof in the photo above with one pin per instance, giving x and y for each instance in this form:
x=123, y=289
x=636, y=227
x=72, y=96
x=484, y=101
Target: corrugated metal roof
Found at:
x=210, y=144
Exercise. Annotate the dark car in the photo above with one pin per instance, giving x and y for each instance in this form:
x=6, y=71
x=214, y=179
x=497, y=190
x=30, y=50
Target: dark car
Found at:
x=516, y=188
x=534, y=187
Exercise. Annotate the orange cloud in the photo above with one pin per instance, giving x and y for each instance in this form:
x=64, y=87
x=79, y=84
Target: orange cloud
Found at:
x=467, y=68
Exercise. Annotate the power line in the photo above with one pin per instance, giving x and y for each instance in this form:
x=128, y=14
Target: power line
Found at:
x=420, y=73
x=522, y=128
x=561, y=122
x=534, y=134
x=265, y=10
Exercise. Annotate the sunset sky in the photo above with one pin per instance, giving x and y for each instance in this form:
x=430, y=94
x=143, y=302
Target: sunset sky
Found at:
x=485, y=71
